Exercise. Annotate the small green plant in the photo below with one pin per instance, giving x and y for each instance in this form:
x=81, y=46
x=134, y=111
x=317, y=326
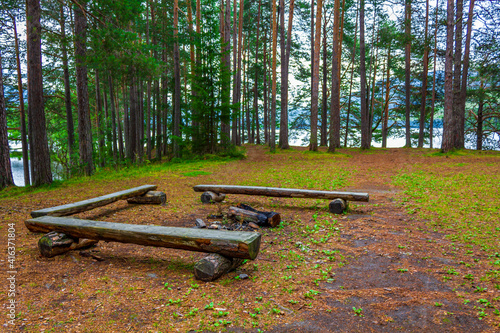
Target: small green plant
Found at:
x=402, y=270
x=209, y=306
x=467, y=301
x=358, y=311
x=438, y=304
x=480, y=290
x=311, y=293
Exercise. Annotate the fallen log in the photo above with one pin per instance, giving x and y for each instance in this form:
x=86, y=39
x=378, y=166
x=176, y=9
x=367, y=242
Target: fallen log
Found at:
x=237, y=244
x=55, y=243
x=211, y=197
x=82, y=206
x=214, y=266
x=150, y=197
x=273, y=218
x=243, y=215
x=337, y=206
x=282, y=192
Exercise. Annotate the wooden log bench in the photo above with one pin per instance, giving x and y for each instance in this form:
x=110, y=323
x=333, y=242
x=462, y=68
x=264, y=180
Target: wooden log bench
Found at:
x=336, y=206
x=85, y=205
x=233, y=244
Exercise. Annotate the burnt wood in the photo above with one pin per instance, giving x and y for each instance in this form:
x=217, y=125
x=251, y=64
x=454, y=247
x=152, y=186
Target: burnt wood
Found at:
x=237, y=244
x=211, y=197
x=273, y=218
x=282, y=192
x=82, y=206
x=214, y=266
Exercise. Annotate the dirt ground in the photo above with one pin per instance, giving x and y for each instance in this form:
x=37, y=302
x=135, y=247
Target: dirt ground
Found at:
x=377, y=268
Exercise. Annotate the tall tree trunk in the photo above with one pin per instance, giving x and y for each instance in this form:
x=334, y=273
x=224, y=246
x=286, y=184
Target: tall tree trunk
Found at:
x=285, y=58
x=335, y=97
x=457, y=75
x=120, y=130
x=84, y=127
x=272, y=139
x=24, y=141
x=479, y=131
x=226, y=111
x=424, y=79
x=5, y=167
x=324, y=89
x=266, y=93
x=234, y=127
x=98, y=119
x=313, y=142
x=465, y=73
x=39, y=149
x=352, y=76
x=448, y=120
x=386, y=106
x=255, y=91
x=431, y=122
x=238, y=73
x=133, y=120
x=372, y=97
x=312, y=42
x=407, y=71
x=365, y=126
x=177, y=86
x=113, y=118
x=148, y=94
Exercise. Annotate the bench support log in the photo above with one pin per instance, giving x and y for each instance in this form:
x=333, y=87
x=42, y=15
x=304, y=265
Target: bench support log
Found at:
x=337, y=206
x=235, y=244
x=214, y=266
x=55, y=243
x=211, y=197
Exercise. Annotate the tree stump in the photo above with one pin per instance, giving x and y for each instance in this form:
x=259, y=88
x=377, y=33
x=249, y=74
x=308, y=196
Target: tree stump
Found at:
x=211, y=197
x=214, y=266
x=55, y=243
x=337, y=206
x=151, y=197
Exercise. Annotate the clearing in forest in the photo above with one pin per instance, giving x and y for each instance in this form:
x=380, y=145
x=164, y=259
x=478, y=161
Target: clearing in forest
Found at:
x=423, y=254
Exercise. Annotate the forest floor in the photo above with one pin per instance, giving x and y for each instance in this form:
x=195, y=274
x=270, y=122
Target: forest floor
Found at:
x=423, y=254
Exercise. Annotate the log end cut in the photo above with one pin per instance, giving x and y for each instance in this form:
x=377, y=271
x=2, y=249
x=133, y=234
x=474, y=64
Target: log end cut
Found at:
x=55, y=243
x=211, y=197
x=214, y=266
x=337, y=206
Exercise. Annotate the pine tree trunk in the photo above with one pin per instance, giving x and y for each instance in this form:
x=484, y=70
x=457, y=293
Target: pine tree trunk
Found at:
x=272, y=139
x=84, y=126
x=431, y=122
x=177, y=86
x=98, y=119
x=386, y=108
x=234, y=129
x=351, y=81
x=24, y=140
x=335, y=97
x=313, y=142
x=407, y=71
x=365, y=126
x=255, y=91
x=226, y=111
x=324, y=91
x=479, y=131
x=424, y=79
x=5, y=167
x=285, y=54
x=39, y=149
x=448, y=119
x=266, y=93
x=457, y=76
x=113, y=118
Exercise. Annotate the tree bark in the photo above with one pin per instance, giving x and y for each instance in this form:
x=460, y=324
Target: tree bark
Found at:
x=313, y=142
x=214, y=266
x=226, y=111
x=235, y=244
x=386, y=106
x=272, y=139
x=324, y=90
x=84, y=126
x=211, y=197
x=150, y=197
x=273, y=219
x=266, y=93
x=98, y=119
x=234, y=128
x=335, y=97
x=255, y=91
x=431, y=122
x=457, y=76
x=24, y=140
x=177, y=86
x=337, y=206
x=424, y=79
x=407, y=71
x=238, y=73
x=352, y=76
x=365, y=126
x=479, y=131
x=448, y=119
x=5, y=167
x=39, y=149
